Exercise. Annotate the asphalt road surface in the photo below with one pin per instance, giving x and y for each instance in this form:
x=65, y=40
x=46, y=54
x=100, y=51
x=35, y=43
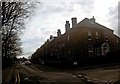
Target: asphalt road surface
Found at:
x=38, y=74
x=32, y=75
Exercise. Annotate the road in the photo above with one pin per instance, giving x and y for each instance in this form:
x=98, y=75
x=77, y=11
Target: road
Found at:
x=38, y=74
x=32, y=75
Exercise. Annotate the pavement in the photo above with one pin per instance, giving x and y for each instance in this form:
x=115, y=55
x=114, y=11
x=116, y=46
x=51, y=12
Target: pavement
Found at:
x=10, y=75
x=7, y=75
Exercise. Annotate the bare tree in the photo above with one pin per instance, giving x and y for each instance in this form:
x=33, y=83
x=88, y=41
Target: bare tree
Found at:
x=13, y=18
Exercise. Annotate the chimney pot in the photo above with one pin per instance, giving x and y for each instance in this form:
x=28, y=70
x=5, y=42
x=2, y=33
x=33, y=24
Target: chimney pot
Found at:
x=92, y=19
x=58, y=33
x=67, y=26
x=51, y=36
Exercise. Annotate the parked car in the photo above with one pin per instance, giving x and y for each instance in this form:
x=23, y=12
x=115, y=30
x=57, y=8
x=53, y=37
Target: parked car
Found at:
x=27, y=63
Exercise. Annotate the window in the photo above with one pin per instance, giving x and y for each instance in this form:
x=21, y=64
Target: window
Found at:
x=89, y=38
x=90, y=50
x=106, y=37
x=96, y=35
x=89, y=35
x=117, y=40
x=98, y=51
x=51, y=54
x=68, y=52
x=105, y=49
x=63, y=45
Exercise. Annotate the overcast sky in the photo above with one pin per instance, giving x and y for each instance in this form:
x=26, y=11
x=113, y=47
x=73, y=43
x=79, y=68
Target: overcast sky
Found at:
x=51, y=15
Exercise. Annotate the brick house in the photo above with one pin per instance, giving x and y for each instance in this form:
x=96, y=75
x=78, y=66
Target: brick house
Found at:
x=84, y=41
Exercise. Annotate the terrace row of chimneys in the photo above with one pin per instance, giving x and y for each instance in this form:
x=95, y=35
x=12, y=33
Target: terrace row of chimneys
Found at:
x=74, y=22
x=67, y=25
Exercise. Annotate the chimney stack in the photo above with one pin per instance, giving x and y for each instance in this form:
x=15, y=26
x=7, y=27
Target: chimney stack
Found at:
x=51, y=37
x=74, y=21
x=58, y=33
x=67, y=26
x=92, y=19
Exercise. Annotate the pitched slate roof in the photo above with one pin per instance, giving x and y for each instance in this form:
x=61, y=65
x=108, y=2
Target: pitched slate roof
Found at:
x=92, y=24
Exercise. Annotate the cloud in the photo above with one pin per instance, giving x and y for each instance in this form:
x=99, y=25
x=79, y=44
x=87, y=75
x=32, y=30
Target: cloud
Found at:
x=51, y=15
x=113, y=18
